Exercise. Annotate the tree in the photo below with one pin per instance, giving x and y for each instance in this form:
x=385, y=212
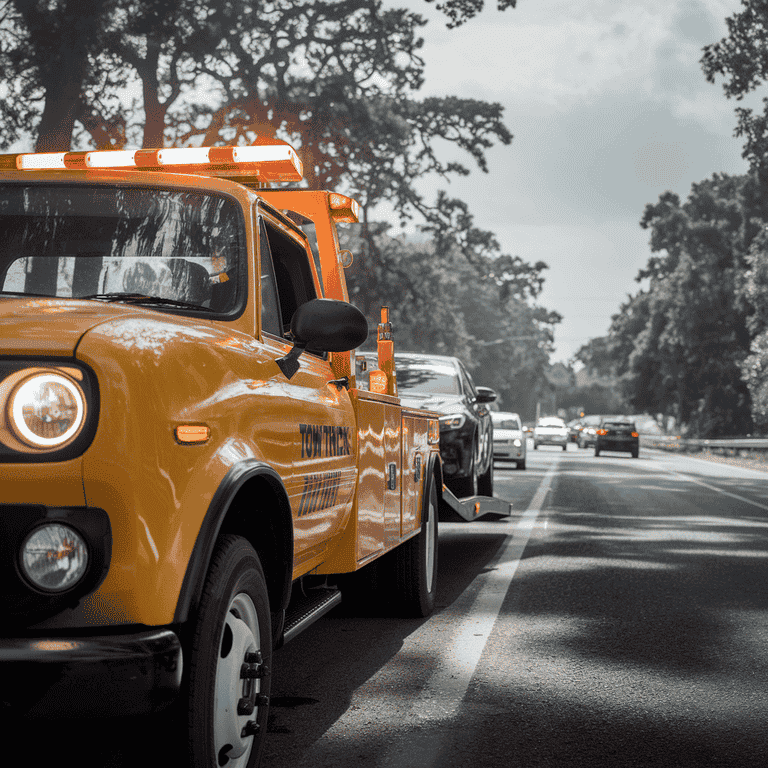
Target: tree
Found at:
x=457, y=294
x=742, y=61
x=679, y=347
x=45, y=48
x=459, y=11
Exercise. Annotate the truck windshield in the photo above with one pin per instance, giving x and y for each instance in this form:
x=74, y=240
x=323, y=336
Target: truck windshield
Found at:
x=101, y=241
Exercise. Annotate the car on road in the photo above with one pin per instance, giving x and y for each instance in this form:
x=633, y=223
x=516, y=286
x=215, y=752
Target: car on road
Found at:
x=617, y=436
x=550, y=430
x=509, y=440
x=442, y=383
x=587, y=432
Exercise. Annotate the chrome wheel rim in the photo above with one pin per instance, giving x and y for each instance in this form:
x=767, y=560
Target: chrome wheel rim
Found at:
x=238, y=651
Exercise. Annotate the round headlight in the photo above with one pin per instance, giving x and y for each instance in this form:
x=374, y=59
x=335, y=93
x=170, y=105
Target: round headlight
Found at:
x=47, y=410
x=54, y=557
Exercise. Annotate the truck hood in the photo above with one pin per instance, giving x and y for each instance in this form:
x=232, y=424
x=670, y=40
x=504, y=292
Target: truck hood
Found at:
x=43, y=326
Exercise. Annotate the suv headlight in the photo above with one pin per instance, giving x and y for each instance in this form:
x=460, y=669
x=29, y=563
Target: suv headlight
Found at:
x=455, y=421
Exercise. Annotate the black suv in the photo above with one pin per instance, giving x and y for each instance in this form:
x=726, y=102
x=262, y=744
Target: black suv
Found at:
x=617, y=436
x=443, y=384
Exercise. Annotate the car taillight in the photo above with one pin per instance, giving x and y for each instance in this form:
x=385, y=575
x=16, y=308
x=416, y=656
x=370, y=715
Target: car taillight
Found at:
x=635, y=434
x=602, y=432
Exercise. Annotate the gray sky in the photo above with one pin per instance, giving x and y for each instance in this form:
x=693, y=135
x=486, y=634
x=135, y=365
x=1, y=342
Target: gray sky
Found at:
x=609, y=109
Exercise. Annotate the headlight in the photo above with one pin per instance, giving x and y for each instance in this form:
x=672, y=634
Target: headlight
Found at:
x=452, y=422
x=46, y=410
x=54, y=557
x=517, y=443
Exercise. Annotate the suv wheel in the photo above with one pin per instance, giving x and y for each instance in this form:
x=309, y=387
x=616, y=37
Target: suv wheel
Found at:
x=485, y=481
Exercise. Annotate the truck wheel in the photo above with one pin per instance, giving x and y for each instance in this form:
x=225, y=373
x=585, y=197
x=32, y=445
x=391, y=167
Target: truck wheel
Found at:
x=231, y=653
x=416, y=562
x=485, y=482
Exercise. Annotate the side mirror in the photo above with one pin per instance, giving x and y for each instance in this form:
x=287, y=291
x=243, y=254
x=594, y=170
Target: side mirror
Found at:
x=485, y=394
x=324, y=325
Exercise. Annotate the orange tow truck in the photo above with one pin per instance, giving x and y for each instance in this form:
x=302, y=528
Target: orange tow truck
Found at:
x=190, y=474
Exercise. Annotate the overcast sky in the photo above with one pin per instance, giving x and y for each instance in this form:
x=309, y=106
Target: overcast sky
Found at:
x=609, y=109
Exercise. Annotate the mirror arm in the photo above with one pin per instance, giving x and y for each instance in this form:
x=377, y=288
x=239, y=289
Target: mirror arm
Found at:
x=290, y=363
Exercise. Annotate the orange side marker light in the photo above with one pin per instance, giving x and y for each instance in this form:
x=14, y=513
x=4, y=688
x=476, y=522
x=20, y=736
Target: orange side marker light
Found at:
x=192, y=433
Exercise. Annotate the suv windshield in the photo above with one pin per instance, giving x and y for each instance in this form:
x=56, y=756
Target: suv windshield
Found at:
x=419, y=378
x=85, y=241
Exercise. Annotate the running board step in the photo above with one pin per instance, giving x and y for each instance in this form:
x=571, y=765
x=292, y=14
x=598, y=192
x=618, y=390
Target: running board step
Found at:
x=306, y=610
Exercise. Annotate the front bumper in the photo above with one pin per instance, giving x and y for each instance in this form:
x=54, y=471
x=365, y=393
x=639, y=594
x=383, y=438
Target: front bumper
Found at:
x=630, y=445
x=550, y=439
x=508, y=451
x=126, y=674
x=456, y=453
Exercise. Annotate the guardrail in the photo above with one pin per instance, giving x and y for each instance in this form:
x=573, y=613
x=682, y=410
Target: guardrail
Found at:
x=691, y=445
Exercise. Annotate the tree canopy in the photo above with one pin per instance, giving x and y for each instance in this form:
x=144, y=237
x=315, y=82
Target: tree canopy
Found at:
x=680, y=346
x=339, y=79
x=741, y=59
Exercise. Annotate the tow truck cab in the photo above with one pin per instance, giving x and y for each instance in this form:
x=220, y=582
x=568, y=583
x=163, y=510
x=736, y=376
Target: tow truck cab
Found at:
x=190, y=472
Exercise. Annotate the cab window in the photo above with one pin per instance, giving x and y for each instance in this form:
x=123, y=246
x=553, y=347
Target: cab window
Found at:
x=287, y=281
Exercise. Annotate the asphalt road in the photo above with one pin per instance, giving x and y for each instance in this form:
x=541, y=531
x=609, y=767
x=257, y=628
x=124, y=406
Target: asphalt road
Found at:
x=619, y=618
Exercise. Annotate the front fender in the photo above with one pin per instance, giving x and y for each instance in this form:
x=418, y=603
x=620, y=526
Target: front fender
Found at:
x=272, y=536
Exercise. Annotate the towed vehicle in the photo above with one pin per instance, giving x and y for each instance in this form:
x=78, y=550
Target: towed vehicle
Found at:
x=443, y=384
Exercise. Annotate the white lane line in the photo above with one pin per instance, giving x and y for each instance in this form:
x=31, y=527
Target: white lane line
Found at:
x=445, y=690
x=719, y=490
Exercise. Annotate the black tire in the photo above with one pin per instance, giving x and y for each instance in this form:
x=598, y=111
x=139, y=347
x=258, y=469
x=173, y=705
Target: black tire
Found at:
x=229, y=661
x=597, y=453
x=535, y=446
x=635, y=454
x=415, y=562
x=485, y=482
x=565, y=447
x=521, y=464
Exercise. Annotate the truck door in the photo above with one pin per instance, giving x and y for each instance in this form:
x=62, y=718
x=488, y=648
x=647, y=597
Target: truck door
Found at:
x=309, y=421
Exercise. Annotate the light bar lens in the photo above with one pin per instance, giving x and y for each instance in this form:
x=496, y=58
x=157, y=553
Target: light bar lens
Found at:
x=41, y=160
x=277, y=161
x=111, y=158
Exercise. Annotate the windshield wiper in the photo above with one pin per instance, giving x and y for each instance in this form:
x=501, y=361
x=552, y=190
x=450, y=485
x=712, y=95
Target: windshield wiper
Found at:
x=141, y=298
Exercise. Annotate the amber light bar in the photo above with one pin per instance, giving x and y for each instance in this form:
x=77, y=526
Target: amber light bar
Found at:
x=343, y=208
x=276, y=160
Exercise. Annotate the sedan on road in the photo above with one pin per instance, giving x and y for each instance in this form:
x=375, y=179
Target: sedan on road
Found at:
x=443, y=384
x=617, y=436
x=508, y=438
x=551, y=430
